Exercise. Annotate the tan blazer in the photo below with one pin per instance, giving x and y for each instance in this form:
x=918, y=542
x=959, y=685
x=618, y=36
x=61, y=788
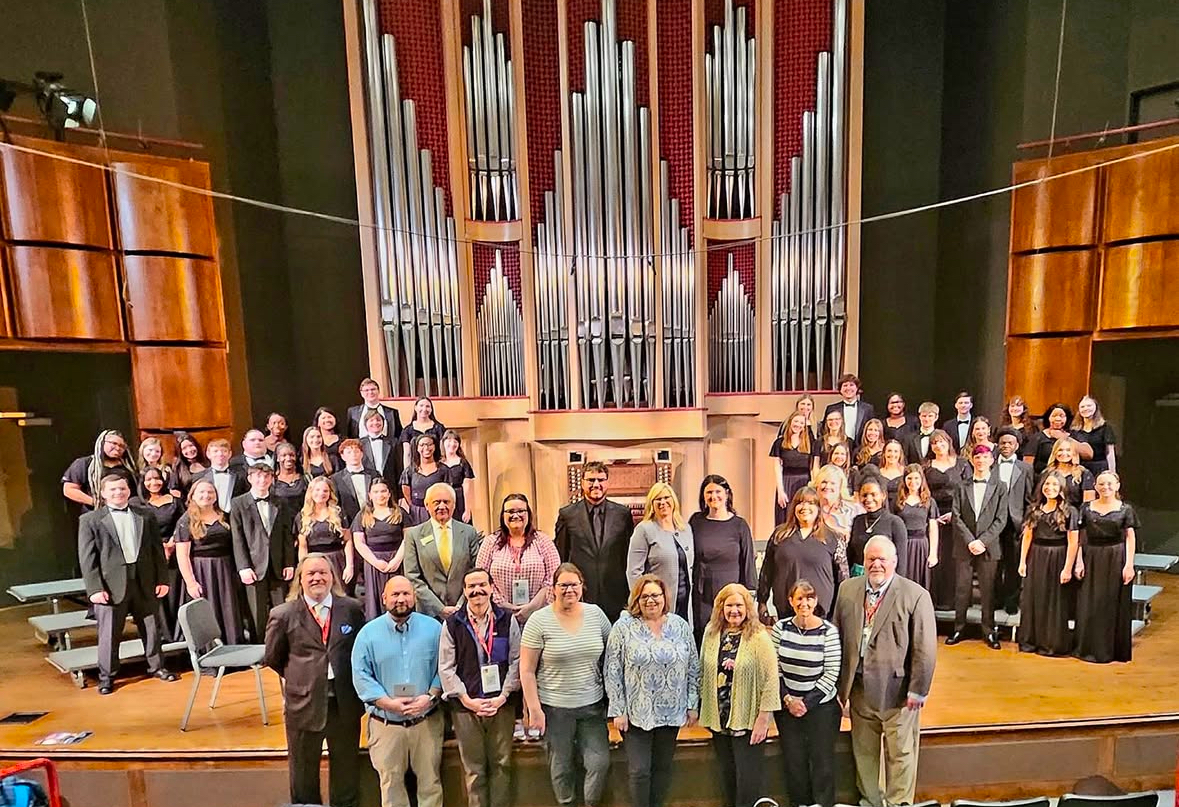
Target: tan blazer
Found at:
x=434, y=587
x=902, y=649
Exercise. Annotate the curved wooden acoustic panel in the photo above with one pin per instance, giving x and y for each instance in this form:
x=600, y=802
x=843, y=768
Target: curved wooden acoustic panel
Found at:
x=180, y=387
x=1058, y=213
x=1051, y=292
x=1047, y=369
x=1141, y=286
x=52, y=200
x=155, y=217
x=1142, y=197
x=172, y=299
x=64, y=294
x=167, y=438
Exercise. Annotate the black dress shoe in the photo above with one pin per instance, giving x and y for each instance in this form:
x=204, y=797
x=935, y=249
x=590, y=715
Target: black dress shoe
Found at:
x=165, y=675
x=993, y=642
x=954, y=638
x=105, y=687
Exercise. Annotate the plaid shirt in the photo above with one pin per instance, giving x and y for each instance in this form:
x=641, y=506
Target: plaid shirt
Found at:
x=536, y=563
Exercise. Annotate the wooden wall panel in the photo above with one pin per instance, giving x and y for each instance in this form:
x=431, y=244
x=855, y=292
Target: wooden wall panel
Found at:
x=172, y=299
x=53, y=200
x=1047, y=369
x=203, y=436
x=1142, y=197
x=64, y=294
x=154, y=217
x=1051, y=292
x=1059, y=213
x=5, y=313
x=1141, y=286
x=180, y=387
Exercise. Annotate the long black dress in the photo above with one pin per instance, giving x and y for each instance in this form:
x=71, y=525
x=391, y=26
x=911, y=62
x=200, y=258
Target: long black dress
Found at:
x=1105, y=607
x=1044, y=603
x=167, y=515
x=213, y=568
x=383, y=539
x=892, y=487
x=899, y=433
x=418, y=484
x=1039, y=448
x=916, y=518
x=1099, y=439
x=796, y=472
x=724, y=554
x=456, y=475
x=292, y=494
x=943, y=578
x=324, y=537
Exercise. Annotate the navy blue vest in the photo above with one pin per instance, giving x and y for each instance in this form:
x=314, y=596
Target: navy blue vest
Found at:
x=466, y=652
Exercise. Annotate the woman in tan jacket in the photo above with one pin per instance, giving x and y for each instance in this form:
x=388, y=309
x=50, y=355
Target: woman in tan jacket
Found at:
x=738, y=692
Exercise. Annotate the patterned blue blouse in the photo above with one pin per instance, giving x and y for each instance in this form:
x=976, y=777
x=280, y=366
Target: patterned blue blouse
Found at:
x=652, y=681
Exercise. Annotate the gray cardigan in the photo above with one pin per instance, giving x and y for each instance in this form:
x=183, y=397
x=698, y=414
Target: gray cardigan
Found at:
x=653, y=551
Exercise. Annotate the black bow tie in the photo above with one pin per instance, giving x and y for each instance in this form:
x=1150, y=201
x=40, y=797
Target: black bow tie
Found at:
x=224, y=471
x=357, y=473
x=118, y=509
x=262, y=500
x=1008, y=461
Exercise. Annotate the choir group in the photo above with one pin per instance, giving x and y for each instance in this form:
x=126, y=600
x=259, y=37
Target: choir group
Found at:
x=653, y=625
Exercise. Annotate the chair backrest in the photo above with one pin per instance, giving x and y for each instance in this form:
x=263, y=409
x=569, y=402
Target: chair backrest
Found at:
x=200, y=628
x=1150, y=799
x=1041, y=801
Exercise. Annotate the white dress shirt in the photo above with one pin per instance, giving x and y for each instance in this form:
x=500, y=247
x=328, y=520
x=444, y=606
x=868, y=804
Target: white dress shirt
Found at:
x=223, y=481
x=963, y=431
x=979, y=493
x=359, y=484
x=125, y=529
x=265, y=513
x=1006, y=469
x=377, y=446
x=850, y=416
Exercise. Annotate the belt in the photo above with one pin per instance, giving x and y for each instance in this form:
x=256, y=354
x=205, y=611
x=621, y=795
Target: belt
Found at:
x=413, y=721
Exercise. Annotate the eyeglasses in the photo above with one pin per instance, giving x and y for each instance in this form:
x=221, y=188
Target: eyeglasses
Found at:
x=567, y=586
x=515, y=512
x=650, y=597
x=596, y=480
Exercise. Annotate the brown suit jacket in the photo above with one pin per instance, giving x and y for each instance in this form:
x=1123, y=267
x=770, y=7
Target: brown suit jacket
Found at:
x=295, y=650
x=902, y=649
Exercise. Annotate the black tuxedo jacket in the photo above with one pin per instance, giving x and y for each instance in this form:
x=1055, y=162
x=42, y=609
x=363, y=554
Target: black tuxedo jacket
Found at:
x=296, y=651
x=864, y=413
x=912, y=447
x=390, y=469
x=985, y=526
x=100, y=554
x=1020, y=493
x=254, y=547
x=950, y=427
x=240, y=483
x=241, y=465
x=603, y=563
x=392, y=421
x=349, y=504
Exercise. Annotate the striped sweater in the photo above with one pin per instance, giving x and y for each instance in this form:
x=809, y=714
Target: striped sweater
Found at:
x=808, y=661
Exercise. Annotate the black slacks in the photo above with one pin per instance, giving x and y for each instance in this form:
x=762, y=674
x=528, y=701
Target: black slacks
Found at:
x=808, y=749
x=741, y=766
x=966, y=569
x=648, y=763
x=1008, y=582
x=144, y=608
x=305, y=749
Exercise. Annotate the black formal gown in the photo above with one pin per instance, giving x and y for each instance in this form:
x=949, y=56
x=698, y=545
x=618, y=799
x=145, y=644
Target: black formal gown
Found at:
x=213, y=567
x=456, y=474
x=1044, y=604
x=1074, y=486
x=1105, y=608
x=1039, y=448
x=324, y=537
x=167, y=515
x=333, y=451
x=916, y=518
x=881, y=522
x=892, y=488
x=292, y=494
x=724, y=554
x=411, y=432
x=1099, y=439
x=796, y=472
x=418, y=484
x=943, y=578
x=899, y=433
x=383, y=538
x=314, y=471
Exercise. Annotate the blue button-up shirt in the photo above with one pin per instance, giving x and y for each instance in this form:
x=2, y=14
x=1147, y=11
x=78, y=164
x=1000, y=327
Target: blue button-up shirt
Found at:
x=386, y=654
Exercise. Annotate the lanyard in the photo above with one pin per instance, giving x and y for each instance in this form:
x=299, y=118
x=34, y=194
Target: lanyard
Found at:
x=484, y=644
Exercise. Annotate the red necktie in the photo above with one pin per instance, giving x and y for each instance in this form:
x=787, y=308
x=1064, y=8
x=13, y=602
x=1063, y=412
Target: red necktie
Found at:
x=323, y=622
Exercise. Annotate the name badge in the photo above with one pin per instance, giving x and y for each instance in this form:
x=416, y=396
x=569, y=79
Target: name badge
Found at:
x=865, y=635
x=429, y=539
x=490, y=675
x=405, y=691
x=520, y=592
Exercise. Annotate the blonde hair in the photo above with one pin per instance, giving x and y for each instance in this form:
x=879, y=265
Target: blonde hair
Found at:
x=296, y=582
x=804, y=437
x=866, y=450
x=659, y=490
x=832, y=473
x=323, y=452
x=717, y=623
x=1076, y=469
x=196, y=526
x=144, y=464
x=307, y=514
x=1095, y=422
x=632, y=604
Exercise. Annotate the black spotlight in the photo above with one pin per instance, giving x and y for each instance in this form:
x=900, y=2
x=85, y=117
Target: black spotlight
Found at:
x=62, y=107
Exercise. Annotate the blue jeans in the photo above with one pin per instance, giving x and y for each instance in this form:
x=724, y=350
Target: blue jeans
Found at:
x=568, y=734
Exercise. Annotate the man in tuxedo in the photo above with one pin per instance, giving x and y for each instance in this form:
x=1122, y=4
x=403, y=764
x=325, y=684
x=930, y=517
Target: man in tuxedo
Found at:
x=438, y=554
x=351, y=482
x=253, y=452
x=856, y=413
x=370, y=391
x=309, y=643
x=263, y=547
x=916, y=444
x=229, y=482
x=123, y=567
x=594, y=535
x=958, y=427
x=979, y=513
x=1018, y=477
x=381, y=454
x=889, y=637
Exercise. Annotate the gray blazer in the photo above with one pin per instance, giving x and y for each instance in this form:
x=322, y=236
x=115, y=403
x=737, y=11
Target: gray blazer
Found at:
x=1020, y=492
x=653, y=551
x=986, y=526
x=435, y=588
x=902, y=649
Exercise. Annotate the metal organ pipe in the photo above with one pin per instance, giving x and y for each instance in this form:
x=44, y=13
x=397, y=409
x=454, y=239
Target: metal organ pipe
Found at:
x=730, y=82
x=490, y=123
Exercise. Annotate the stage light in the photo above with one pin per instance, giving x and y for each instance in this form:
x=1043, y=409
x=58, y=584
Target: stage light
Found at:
x=62, y=107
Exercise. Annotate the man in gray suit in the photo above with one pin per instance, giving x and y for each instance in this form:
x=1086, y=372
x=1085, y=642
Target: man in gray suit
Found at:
x=123, y=568
x=1019, y=479
x=438, y=553
x=889, y=636
x=980, y=511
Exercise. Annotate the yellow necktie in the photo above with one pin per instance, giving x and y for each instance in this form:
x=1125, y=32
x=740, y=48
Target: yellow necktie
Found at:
x=444, y=546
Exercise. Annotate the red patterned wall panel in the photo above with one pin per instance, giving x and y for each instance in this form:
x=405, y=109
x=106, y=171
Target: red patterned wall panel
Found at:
x=483, y=258
x=542, y=90
x=417, y=28
x=802, y=29
x=674, y=20
x=743, y=261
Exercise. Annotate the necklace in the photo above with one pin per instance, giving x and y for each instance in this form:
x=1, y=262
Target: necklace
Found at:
x=872, y=527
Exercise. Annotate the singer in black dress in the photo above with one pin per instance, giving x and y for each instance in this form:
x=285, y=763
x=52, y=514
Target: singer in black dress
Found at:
x=1079, y=485
x=792, y=450
x=290, y=485
x=1038, y=450
x=1105, y=608
x=943, y=473
x=377, y=538
x=877, y=519
x=166, y=509
x=422, y=422
x=1089, y=428
x=1047, y=557
x=897, y=423
x=458, y=471
x=325, y=421
x=204, y=548
x=919, y=512
x=423, y=470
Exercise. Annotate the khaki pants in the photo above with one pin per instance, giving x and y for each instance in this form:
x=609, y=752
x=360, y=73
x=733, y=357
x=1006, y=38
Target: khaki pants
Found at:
x=899, y=730
x=485, y=747
x=395, y=749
